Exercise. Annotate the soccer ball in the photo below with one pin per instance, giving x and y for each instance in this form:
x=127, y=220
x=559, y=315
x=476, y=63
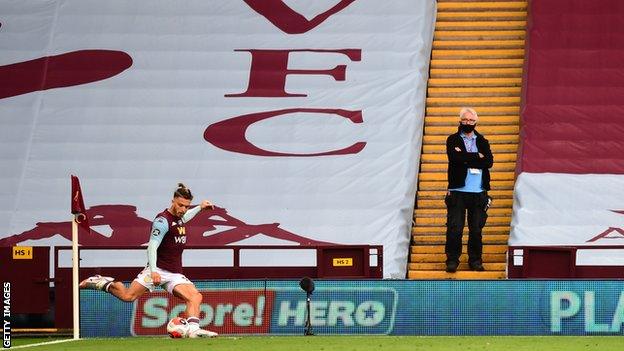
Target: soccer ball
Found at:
x=178, y=328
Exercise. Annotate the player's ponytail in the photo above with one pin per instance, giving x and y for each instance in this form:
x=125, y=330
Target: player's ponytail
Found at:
x=183, y=192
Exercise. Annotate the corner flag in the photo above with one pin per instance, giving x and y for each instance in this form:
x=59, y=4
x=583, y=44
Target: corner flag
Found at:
x=80, y=219
x=77, y=204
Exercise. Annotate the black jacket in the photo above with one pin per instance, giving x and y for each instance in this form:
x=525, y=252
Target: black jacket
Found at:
x=459, y=162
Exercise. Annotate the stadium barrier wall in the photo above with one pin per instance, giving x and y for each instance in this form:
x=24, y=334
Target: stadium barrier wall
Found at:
x=568, y=262
x=393, y=307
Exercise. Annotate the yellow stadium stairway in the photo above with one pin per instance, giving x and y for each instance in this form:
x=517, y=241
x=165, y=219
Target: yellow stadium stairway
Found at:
x=477, y=59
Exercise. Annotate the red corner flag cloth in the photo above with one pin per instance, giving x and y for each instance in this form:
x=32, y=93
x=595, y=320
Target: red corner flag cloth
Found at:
x=77, y=203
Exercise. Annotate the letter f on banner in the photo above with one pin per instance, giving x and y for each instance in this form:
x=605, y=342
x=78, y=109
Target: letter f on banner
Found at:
x=77, y=204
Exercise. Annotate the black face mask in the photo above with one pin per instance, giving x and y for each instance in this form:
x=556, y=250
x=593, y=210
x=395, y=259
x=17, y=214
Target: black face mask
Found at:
x=467, y=128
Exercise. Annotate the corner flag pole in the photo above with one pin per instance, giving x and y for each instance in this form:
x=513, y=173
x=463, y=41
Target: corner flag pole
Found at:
x=80, y=218
x=75, y=263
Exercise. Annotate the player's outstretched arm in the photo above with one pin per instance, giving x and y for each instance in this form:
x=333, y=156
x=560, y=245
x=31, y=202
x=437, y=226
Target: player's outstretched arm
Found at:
x=195, y=210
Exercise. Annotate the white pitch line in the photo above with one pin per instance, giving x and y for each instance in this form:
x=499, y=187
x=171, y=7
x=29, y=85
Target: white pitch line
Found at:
x=42, y=343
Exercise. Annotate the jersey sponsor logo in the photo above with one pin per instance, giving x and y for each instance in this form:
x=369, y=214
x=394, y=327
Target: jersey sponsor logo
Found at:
x=223, y=311
x=180, y=239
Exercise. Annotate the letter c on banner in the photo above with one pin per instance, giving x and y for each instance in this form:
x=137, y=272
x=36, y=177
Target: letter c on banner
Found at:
x=230, y=134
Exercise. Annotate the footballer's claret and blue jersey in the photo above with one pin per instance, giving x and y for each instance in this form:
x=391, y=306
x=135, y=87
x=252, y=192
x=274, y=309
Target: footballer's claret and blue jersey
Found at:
x=168, y=235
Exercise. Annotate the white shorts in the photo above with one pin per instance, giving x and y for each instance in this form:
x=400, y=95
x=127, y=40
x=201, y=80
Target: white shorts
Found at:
x=168, y=280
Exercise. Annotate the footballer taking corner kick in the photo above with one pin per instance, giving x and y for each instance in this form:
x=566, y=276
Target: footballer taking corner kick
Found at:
x=164, y=262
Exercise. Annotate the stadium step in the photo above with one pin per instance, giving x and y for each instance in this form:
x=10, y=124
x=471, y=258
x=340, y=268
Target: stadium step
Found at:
x=496, y=148
x=441, y=229
x=438, y=176
x=441, y=258
x=473, y=101
x=439, y=194
x=441, y=212
x=434, y=249
x=433, y=176
x=441, y=167
x=500, y=239
x=440, y=266
x=440, y=274
x=481, y=6
x=483, y=82
x=472, y=91
x=482, y=110
x=440, y=221
x=480, y=25
x=442, y=158
x=479, y=34
x=463, y=54
x=514, y=72
x=478, y=44
x=477, y=61
x=439, y=203
x=483, y=16
x=494, y=184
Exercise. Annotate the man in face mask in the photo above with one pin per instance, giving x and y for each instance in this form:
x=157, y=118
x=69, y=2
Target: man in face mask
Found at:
x=469, y=161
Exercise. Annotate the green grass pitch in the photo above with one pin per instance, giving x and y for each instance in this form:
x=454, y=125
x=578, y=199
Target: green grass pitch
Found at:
x=338, y=343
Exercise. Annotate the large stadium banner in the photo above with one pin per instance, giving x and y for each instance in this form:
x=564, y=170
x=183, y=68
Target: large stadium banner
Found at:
x=388, y=307
x=571, y=210
x=570, y=188
x=301, y=120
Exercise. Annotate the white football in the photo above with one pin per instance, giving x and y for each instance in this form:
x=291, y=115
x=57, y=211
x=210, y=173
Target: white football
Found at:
x=178, y=328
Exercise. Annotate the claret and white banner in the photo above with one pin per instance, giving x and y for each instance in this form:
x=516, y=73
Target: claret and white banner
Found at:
x=555, y=209
x=570, y=188
x=301, y=120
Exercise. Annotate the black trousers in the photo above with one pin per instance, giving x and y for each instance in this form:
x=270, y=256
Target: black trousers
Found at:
x=457, y=205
